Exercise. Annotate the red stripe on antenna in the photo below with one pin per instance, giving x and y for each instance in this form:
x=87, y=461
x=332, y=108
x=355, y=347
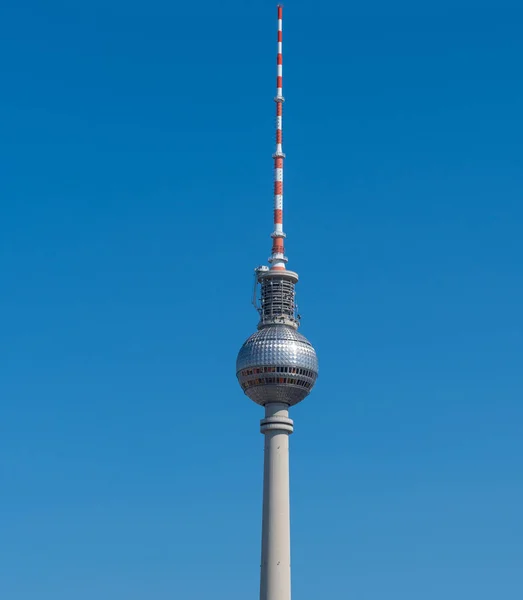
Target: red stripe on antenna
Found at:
x=277, y=247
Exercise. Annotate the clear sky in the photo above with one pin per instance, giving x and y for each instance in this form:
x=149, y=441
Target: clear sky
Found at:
x=136, y=196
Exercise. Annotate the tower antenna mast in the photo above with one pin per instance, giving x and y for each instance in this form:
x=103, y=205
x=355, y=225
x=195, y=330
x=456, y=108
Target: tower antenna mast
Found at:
x=278, y=259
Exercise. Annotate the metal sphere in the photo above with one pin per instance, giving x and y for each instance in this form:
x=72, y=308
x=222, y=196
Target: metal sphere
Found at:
x=277, y=364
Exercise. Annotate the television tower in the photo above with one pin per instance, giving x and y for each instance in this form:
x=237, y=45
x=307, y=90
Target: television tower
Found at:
x=277, y=368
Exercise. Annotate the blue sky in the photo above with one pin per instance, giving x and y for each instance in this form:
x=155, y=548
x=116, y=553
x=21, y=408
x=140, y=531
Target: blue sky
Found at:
x=135, y=186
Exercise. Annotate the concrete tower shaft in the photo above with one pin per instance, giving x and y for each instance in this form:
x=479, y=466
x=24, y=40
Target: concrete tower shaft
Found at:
x=275, y=580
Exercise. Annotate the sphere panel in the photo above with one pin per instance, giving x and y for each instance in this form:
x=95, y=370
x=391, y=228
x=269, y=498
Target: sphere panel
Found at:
x=277, y=364
x=277, y=345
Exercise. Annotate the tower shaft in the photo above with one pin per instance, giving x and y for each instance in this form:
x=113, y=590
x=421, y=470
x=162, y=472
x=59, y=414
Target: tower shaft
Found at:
x=275, y=581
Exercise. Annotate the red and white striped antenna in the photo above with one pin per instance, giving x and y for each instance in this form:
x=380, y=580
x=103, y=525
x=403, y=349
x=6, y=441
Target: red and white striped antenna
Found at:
x=278, y=258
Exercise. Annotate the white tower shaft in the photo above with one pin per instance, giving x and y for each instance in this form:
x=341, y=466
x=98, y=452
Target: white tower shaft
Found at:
x=275, y=581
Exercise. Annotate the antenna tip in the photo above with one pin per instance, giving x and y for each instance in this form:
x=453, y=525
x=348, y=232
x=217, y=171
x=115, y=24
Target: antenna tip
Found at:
x=280, y=10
